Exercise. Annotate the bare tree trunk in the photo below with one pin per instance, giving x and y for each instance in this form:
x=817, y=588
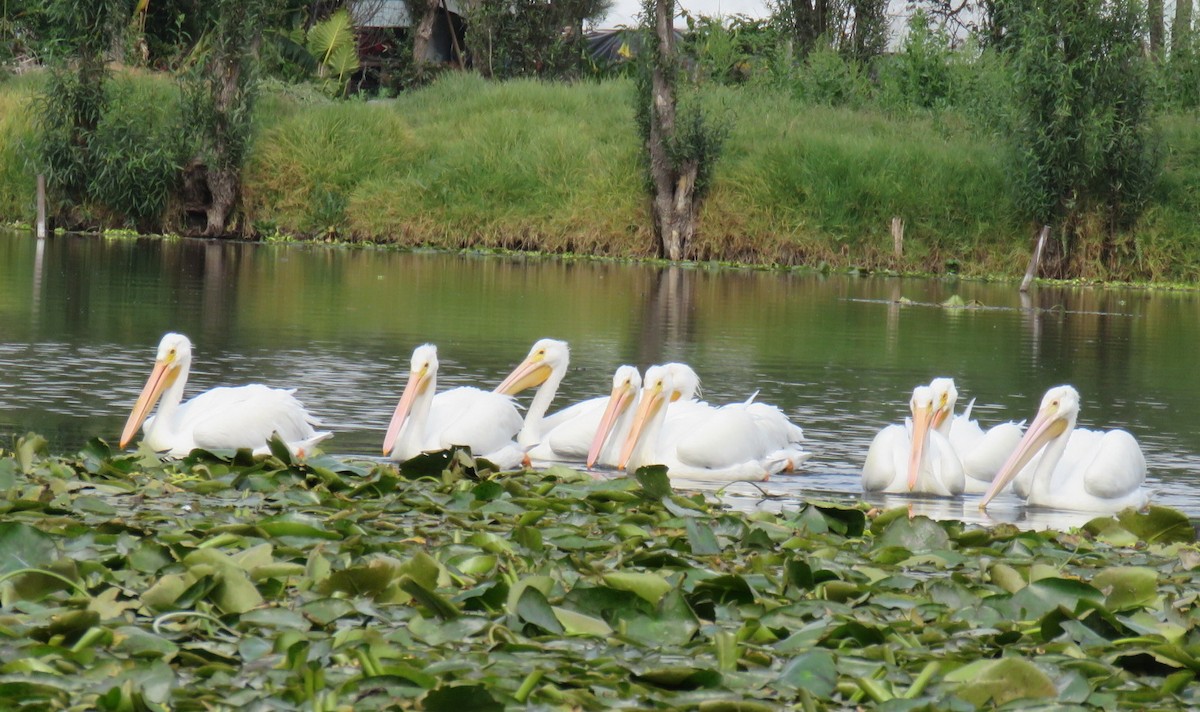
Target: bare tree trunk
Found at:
x=423, y=35
x=1154, y=8
x=1181, y=28
x=674, y=186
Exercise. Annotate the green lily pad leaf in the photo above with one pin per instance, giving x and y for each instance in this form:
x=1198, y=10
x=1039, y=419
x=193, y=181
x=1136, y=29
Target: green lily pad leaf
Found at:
x=275, y=618
x=106, y=604
x=236, y=593
x=324, y=611
x=429, y=598
x=280, y=449
x=915, y=534
x=799, y=574
x=545, y=584
x=735, y=706
x=165, y=591
x=283, y=527
x=462, y=697
x=532, y=607
x=142, y=643
x=846, y=521
x=423, y=568
x=1000, y=681
x=1007, y=578
x=28, y=448
x=254, y=557
x=680, y=677
x=885, y=518
x=654, y=481
x=673, y=623
x=702, y=539
x=24, y=547
x=649, y=587
x=814, y=671
x=371, y=579
x=1127, y=586
x=1044, y=595
x=579, y=624
x=724, y=589
x=1161, y=525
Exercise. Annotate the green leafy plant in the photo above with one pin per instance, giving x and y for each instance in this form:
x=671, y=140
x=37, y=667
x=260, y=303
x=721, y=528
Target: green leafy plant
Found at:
x=332, y=43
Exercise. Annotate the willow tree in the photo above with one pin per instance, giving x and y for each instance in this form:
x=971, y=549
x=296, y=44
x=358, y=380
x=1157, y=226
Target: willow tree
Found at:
x=220, y=95
x=75, y=99
x=1086, y=149
x=682, y=143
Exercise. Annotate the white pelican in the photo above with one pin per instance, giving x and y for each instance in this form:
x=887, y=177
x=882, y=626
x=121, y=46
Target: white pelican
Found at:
x=913, y=457
x=614, y=425
x=982, y=453
x=566, y=434
x=613, y=428
x=1084, y=470
x=484, y=421
x=219, y=419
x=730, y=443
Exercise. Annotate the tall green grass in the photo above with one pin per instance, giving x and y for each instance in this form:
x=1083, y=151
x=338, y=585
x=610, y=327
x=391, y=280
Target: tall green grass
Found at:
x=17, y=187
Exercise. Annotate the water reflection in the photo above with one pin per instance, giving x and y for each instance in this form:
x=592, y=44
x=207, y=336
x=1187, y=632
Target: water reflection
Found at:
x=80, y=317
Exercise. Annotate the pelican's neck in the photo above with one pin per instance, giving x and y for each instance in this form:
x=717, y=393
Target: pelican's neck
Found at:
x=1043, y=477
x=531, y=432
x=159, y=432
x=646, y=449
x=411, y=440
x=611, y=450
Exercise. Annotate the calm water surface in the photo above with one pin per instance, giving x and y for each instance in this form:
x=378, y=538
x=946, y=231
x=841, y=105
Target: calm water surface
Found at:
x=80, y=318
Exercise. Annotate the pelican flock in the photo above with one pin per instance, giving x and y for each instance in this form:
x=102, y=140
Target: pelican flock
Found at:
x=661, y=420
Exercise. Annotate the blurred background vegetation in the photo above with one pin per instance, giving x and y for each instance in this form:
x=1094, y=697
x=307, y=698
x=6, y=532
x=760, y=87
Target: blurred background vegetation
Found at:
x=509, y=124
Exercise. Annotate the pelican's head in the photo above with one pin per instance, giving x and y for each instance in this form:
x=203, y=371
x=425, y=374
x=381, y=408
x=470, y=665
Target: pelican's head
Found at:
x=687, y=383
x=625, y=385
x=657, y=391
x=945, y=395
x=173, y=359
x=546, y=357
x=1054, y=419
x=422, y=374
x=923, y=411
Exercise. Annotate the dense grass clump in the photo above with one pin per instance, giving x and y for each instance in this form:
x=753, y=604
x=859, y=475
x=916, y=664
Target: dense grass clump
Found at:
x=16, y=179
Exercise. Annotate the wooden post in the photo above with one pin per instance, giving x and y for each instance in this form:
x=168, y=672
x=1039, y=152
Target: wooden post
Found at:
x=1035, y=259
x=897, y=236
x=41, y=206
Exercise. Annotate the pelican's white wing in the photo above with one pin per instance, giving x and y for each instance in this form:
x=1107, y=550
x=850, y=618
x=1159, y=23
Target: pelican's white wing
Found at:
x=485, y=421
x=244, y=416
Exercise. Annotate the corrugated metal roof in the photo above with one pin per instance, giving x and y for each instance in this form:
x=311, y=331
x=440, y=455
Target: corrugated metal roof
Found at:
x=389, y=13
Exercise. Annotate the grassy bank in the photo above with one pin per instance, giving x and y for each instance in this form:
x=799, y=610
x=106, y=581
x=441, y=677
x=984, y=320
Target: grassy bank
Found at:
x=216, y=583
x=551, y=167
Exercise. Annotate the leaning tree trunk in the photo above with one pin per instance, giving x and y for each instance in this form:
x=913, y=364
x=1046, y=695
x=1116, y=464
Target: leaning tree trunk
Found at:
x=423, y=36
x=223, y=179
x=674, y=202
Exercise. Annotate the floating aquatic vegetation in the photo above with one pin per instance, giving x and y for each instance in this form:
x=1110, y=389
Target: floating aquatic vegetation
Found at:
x=220, y=580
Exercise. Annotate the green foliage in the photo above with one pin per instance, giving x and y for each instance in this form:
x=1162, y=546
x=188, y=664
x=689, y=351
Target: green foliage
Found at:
x=332, y=43
x=922, y=71
x=530, y=38
x=732, y=50
x=130, y=583
x=1084, y=137
x=138, y=151
x=830, y=79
